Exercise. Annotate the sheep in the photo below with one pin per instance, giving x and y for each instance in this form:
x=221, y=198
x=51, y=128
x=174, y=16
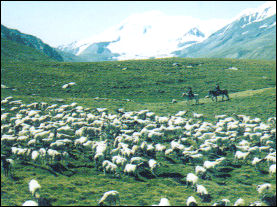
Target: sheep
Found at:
x=34, y=187
x=39, y=202
x=202, y=191
x=272, y=169
x=164, y=202
x=256, y=161
x=35, y=155
x=7, y=164
x=199, y=170
x=263, y=188
x=191, y=179
x=153, y=164
x=198, y=116
x=131, y=169
x=191, y=201
x=109, y=167
x=120, y=161
x=239, y=202
x=30, y=203
x=223, y=202
x=241, y=155
x=257, y=203
x=210, y=164
x=109, y=198
x=98, y=158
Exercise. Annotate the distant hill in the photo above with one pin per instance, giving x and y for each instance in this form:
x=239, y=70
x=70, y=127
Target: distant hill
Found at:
x=26, y=40
x=13, y=51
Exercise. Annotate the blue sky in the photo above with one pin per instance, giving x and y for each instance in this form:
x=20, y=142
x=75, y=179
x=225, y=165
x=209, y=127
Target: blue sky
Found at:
x=62, y=22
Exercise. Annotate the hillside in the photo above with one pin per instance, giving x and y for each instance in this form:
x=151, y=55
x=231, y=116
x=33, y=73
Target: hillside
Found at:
x=12, y=51
x=30, y=41
x=141, y=81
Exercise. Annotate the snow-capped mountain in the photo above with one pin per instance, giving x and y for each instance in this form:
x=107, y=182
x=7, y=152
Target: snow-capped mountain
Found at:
x=155, y=35
x=144, y=35
x=251, y=34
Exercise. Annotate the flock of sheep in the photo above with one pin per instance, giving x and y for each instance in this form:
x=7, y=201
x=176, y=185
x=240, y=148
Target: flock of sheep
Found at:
x=130, y=143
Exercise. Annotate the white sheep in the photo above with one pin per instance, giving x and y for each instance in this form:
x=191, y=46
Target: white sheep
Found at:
x=153, y=164
x=130, y=169
x=199, y=170
x=109, y=167
x=191, y=179
x=35, y=155
x=202, y=191
x=109, y=198
x=256, y=161
x=164, y=202
x=191, y=201
x=239, y=202
x=7, y=164
x=264, y=188
x=30, y=203
x=34, y=187
x=241, y=155
x=272, y=169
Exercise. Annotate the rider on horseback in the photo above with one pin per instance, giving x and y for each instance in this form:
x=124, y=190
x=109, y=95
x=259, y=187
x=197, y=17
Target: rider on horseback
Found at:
x=190, y=93
x=217, y=89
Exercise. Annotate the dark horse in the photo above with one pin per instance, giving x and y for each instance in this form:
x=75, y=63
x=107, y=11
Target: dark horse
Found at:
x=215, y=94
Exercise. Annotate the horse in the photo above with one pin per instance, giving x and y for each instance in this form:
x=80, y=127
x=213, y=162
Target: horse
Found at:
x=188, y=98
x=214, y=94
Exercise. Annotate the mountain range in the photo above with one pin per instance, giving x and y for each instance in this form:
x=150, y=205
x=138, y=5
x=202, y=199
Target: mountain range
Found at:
x=249, y=35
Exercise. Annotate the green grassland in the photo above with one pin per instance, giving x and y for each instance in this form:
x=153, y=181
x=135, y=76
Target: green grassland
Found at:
x=145, y=84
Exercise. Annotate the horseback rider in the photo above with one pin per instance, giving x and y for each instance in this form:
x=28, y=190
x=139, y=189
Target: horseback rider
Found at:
x=190, y=93
x=217, y=89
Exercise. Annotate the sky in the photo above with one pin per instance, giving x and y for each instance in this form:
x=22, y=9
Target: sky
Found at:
x=62, y=22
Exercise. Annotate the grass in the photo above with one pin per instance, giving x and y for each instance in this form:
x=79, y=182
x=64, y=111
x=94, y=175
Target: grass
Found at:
x=148, y=84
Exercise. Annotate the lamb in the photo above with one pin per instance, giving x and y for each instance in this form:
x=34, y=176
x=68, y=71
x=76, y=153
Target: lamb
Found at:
x=109, y=198
x=34, y=187
x=239, y=202
x=191, y=178
x=191, y=201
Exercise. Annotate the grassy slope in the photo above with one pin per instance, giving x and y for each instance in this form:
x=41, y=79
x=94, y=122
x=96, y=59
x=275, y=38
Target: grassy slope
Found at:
x=152, y=84
x=148, y=83
x=16, y=52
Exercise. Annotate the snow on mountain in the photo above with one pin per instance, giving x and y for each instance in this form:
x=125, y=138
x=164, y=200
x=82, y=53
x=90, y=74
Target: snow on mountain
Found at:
x=251, y=34
x=149, y=34
x=155, y=34
x=257, y=14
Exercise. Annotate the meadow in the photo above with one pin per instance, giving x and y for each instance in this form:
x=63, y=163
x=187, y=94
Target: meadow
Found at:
x=137, y=85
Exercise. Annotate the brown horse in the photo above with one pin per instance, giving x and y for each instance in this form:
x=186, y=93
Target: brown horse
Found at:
x=214, y=94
